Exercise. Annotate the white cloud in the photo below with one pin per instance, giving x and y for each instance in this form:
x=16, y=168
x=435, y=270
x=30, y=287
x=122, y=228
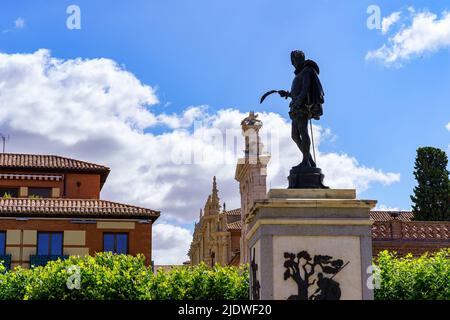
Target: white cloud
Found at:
x=390, y=20
x=170, y=244
x=19, y=23
x=344, y=171
x=72, y=101
x=94, y=110
x=426, y=34
x=382, y=207
x=190, y=115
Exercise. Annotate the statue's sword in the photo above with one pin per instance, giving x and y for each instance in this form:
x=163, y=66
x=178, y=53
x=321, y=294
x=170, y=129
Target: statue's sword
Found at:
x=268, y=93
x=312, y=140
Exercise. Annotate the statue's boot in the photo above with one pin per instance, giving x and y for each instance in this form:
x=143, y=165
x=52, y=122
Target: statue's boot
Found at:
x=312, y=162
x=303, y=164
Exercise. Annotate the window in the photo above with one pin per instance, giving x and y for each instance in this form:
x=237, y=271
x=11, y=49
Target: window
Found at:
x=50, y=243
x=40, y=192
x=2, y=242
x=213, y=258
x=12, y=192
x=115, y=243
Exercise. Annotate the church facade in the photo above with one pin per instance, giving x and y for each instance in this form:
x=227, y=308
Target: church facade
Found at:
x=217, y=234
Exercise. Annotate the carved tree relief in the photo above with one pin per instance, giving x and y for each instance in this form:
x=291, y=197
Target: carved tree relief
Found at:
x=302, y=269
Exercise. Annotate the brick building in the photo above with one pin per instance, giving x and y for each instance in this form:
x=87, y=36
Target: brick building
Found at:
x=50, y=207
x=396, y=231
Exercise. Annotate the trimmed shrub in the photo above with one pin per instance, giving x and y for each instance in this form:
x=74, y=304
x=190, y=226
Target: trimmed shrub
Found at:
x=200, y=283
x=107, y=276
x=409, y=278
x=13, y=284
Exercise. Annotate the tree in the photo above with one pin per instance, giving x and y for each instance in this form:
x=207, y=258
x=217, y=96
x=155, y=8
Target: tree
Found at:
x=431, y=199
x=301, y=268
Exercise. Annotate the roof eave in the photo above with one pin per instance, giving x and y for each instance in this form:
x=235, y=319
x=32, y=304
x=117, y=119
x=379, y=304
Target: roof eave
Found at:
x=80, y=216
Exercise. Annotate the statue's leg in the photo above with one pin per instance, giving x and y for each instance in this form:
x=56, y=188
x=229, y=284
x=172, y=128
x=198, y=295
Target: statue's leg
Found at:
x=305, y=140
x=295, y=134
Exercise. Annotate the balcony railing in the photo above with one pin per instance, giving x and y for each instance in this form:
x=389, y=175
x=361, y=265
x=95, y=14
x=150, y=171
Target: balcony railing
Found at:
x=6, y=260
x=41, y=260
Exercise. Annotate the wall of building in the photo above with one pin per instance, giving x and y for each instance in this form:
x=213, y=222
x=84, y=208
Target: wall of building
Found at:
x=235, y=240
x=30, y=183
x=23, y=184
x=403, y=247
x=71, y=185
x=78, y=238
x=82, y=186
x=416, y=237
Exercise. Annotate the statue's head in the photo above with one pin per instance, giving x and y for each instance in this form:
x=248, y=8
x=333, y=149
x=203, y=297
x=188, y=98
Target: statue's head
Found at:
x=297, y=58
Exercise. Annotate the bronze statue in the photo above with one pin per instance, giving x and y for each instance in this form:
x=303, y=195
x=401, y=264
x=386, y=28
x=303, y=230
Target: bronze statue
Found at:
x=307, y=98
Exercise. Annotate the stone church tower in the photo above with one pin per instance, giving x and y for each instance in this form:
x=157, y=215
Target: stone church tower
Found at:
x=251, y=173
x=219, y=236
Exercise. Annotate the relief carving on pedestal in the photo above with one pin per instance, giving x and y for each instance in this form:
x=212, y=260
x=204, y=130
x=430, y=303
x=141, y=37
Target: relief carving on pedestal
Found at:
x=303, y=270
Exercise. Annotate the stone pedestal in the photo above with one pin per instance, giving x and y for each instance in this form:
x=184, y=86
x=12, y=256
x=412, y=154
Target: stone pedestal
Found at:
x=310, y=244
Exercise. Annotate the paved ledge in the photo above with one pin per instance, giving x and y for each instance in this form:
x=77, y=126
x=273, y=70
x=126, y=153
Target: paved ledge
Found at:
x=314, y=203
x=311, y=194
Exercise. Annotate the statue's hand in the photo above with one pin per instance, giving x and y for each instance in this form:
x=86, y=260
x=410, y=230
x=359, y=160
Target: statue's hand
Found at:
x=283, y=93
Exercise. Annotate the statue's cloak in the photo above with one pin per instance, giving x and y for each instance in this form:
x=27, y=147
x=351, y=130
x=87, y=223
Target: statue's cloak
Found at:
x=306, y=91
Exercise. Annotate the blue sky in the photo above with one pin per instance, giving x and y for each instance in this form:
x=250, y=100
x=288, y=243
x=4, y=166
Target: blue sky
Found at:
x=224, y=54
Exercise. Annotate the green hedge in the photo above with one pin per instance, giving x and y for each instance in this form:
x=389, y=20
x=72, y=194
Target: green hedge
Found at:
x=409, y=278
x=106, y=276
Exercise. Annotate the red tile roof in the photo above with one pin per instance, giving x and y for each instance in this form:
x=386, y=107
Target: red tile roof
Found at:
x=237, y=225
x=51, y=163
x=389, y=215
x=18, y=160
x=234, y=212
x=75, y=208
